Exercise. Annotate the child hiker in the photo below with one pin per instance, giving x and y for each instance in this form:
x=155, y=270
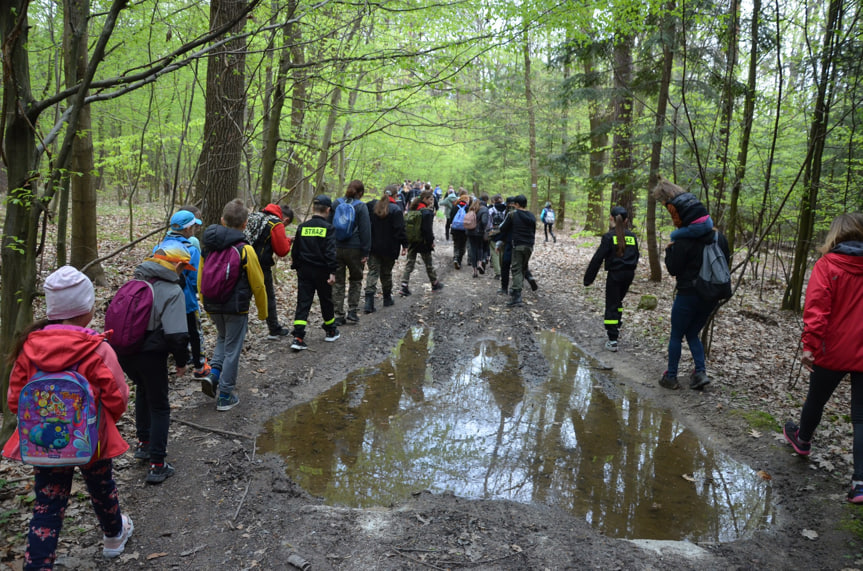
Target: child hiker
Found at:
x=227, y=298
x=265, y=231
x=618, y=248
x=61, y=342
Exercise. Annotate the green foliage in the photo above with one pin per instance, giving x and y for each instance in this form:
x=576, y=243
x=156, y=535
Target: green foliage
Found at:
x=759, y=420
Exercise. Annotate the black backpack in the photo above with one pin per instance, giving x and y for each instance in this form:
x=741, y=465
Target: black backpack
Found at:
x=714, y=279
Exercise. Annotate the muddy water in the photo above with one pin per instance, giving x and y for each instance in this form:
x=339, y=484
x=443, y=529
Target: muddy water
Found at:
x=626, y=467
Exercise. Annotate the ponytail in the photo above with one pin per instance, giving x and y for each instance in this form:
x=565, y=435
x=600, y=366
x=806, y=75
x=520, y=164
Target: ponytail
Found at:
x=620, y=231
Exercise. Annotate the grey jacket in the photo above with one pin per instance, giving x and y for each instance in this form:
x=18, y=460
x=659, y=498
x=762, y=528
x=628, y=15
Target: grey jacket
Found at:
x=168, y=330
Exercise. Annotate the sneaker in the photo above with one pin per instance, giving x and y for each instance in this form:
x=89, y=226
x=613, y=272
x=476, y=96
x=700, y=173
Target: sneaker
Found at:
x=332, y=335
x=298, y=344
x=611, y=345
x=277, y=334
x=404, y=291
x=437, y=286
x=114, y=546
x=456, y=264
x=532, y=281
x=502, y=291
x=158, y=473
x=698, y=380
x=202, y=371
x=802, y=447
x=339, y=321
x=669, y=382
x=855, y=496
x=481, y=267
x=388, y=300
x=210, y=383
x=142, y=451
x=227, y=401
x=352, y=317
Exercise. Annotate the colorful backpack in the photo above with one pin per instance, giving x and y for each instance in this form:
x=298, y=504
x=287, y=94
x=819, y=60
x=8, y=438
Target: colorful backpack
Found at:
x=344, y=219
x=458, y=219
x=221, y=273
x=58, y=419
x=128, y=315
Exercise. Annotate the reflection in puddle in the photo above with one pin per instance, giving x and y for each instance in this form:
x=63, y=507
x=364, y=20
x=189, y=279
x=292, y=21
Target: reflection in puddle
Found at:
x=629, y=469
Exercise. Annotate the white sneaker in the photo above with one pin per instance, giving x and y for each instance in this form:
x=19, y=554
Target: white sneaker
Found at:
x=611, y=346
x=114, y=546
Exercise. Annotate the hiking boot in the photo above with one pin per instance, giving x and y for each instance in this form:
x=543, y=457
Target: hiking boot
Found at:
x=332, y=334
x=611, y=345
x=515, y=301
x=158, y=473
x=532, y=281
x=855, y=496
x=437, y=286
x=277, y=334
x=388, y=300
x=227, y=401
x=352, y=317
x=370, y=303
x=142, y=451
x=114, y=546
x=698, y=380
x=502, y=291
x=456, y=264
x=298, y=344
x=802, y=447
x=202, y=371
x=404, y=291
x=481, y=267
x=210, y=383
x=339, y=321
x=669, y=382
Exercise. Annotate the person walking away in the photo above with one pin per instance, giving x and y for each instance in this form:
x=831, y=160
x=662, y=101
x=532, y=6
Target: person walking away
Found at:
x=352, y=253
x=62, y=342
x=229, y=309
x=618, y=248
x=476, y=236
x=388, y=239
x=420, y=236
x=265, y=231
x=833, y=338
x=547, y=217
x=313, y=256
x=683, y=258
x=497, y=214
x=457, y=229
x=447, y=204
x=521, y=224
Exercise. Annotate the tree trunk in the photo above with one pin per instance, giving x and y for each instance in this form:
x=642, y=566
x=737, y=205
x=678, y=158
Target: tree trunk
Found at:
x=656, y=147
x=531, y=126
x=85, y=240
x=299, y=89
x=563, y=184
x=727, y=106
x=595, y=221
x=326, y=139
x=812, y=169
x=218, y=177
x=621, y=188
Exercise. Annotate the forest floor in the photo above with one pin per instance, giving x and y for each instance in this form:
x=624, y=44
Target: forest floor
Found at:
x=231, y=507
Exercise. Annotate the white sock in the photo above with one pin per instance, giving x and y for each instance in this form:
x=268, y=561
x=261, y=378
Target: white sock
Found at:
x=855, y=483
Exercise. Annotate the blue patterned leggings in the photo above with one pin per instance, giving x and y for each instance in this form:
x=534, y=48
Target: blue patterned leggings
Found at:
x=52, y=488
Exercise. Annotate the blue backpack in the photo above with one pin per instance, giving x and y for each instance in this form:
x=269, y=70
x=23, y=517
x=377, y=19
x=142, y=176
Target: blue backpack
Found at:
x=344, y=219
x=458, y=220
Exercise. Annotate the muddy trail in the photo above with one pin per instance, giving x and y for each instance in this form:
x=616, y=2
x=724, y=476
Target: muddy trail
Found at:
x=449, y=431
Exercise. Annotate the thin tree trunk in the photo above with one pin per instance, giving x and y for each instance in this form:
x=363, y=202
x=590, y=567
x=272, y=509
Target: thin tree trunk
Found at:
x=326, y=139
x=563, y=185
x=595, y=221
x=621, y=188
x=531, y=126
x=728, y=97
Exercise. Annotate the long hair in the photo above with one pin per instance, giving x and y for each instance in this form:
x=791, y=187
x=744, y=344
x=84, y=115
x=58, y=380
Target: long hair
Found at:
x=355, y=189
x=620, y=232
x=426, y=197
x=665, y=191
x=382, y=206
x=474, y=206
x=844, y=228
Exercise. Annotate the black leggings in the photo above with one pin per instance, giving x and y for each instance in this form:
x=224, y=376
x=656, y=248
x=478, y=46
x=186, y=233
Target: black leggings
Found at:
x=616, y=285
x=822, y=383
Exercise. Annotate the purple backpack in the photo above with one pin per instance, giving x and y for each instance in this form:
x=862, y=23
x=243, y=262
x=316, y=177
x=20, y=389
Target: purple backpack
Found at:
x=58, y=419
x=221, y=273
x=128, y=315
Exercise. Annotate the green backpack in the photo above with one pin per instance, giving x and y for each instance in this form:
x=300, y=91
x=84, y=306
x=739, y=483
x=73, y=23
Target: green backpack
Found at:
x=413, y=226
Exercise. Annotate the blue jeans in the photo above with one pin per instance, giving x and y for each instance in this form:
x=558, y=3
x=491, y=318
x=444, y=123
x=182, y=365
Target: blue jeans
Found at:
x=229, y=344
x=688, y=315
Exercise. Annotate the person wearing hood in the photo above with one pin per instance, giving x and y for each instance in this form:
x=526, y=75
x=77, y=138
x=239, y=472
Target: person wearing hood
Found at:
x=231, y=316
x=60, y=342
x=833, y=338
x=167, y=333
x=265, y=231
x=683, y=258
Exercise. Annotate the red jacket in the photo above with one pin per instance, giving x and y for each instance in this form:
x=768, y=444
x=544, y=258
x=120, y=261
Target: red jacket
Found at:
x=278, y=238
x=833, y=314
x=58, y=347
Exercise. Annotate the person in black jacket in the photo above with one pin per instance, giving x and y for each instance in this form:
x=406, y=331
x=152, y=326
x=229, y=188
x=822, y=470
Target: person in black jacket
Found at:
x=424, y=204
x=388, y=234
x=619, y=249
x=520, y=225
x=683, y=259
x=313, y=255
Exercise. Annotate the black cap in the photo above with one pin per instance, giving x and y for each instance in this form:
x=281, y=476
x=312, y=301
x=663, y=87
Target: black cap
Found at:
x=324, y=200
x=619, y=211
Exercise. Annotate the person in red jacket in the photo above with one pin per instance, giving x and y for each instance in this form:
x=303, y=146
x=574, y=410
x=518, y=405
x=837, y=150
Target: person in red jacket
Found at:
x=57, y=343
x=265, y=231
x=833, y=338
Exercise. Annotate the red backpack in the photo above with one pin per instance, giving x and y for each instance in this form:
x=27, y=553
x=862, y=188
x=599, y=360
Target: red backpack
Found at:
x=128, y=315
x=221, y=273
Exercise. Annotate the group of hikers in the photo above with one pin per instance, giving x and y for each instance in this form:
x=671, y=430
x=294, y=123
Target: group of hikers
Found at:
x=62, y=369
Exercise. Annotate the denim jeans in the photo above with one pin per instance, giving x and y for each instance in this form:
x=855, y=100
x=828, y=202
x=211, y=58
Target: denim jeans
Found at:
x=232, y=329
x=689, y=313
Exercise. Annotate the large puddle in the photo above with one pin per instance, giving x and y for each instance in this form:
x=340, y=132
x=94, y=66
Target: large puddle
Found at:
x=626, y=467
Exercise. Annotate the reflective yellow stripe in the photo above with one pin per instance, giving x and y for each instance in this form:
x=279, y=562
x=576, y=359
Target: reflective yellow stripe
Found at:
x=628, y=240
x=620, y=309
x=330, y=322
x=611, y=321
x=314, y=231
x=299, y=322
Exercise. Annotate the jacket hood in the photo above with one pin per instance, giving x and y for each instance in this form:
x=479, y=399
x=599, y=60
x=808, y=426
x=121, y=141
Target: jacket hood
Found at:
x=847, y=256
x=57, y=347
x=688, y=207
x=274, y=209
x=152, y=269
x=217, y=237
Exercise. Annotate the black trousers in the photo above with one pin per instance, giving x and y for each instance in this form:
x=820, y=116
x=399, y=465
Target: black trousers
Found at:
x=616, y=285
x=149, y=372
x=310, y=282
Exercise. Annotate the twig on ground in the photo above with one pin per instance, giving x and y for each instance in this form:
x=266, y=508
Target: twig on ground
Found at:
x=496, y=559
x=243, y=499
x=415, y=560
x=213, y=430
